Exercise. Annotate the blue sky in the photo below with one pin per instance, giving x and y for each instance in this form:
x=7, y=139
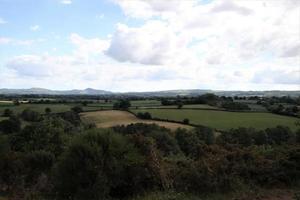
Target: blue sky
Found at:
x=139, y=45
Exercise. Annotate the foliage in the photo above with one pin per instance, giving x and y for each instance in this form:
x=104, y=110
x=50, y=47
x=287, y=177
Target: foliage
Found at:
x=229, y=105
x=77, y=109
x=145, y=115
x=95, y=165
x=122, y=104
x=7, y=112
x=11, y=125
x=30, y=115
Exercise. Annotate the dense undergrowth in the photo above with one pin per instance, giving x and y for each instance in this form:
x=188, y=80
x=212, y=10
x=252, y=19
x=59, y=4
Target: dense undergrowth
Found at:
x=59, y=157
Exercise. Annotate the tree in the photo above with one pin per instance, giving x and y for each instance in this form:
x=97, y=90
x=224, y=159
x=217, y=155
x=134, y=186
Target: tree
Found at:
x=96, y=165
x=186, y=121
x=16, y=102
x=11, y=125
x=7, y=112
x=279, y=134
x=206, y=134
x=77, y=109
x=47, y=110
x=122, y=104
x=145, y=115
x=48, y=135
x=72, y=117
x=179, y=105
x=30, y=115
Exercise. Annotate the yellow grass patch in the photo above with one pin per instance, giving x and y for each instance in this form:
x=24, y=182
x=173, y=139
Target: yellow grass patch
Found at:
x=110, y=118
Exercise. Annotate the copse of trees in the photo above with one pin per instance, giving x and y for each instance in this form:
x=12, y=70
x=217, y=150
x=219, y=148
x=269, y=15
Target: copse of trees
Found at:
x=30, y=115
x=7, y=112
x=77, y=109
x=122, y=104
x=11, y=125
x=234, y=106
x=145, y=115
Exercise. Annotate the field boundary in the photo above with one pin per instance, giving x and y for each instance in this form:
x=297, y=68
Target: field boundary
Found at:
x=213, y=109
x=167, y=120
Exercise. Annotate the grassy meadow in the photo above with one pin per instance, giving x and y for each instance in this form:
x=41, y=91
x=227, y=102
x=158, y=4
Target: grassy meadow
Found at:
x=223, y=120
x=55, y=108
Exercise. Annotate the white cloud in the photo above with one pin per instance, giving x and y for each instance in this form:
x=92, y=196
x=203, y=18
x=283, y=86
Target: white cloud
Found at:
x=67, y=2
x=230, y=6
x=278, y=77
x=236, y=44
x=149, y=8
x=152, y=44
x=2, y=21
x=30, y=65
x=4, y=40
x=35, y=28
x=100, y=16
x=12, y=41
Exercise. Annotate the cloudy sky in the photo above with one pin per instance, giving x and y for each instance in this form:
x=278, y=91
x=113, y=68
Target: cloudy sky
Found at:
x=148, y=45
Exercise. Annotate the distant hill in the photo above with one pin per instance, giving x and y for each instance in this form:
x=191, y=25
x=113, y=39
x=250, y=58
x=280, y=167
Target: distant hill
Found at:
x=88, y=91
x=171, y=93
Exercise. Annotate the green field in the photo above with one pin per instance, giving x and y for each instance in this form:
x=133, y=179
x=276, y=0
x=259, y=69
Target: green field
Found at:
x=223, y=120
x=145, y=103
x=110, y=118
x=3, y=118
x=55, y=108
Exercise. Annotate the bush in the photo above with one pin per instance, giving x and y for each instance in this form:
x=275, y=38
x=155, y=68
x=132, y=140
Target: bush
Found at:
x=122, y=104
x=279, y=134
x=47, y=110
x=11, y=125
x=96, y=165
x=186, y=121
x=145, y=115
x=77, y=109
x=7, y=112
x=30, y=115
x=229, y=105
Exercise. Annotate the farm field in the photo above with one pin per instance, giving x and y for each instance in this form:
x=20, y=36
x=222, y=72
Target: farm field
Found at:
x=223, y=120
x=105, y=119
x=189, y=106
x=55, y=108
x=145, y=103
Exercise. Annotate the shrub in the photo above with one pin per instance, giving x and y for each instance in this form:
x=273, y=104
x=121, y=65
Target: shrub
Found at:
x=96, y=165
x=186, y=121
x=145, y=115
x=30, y=115
x=11, y=125
x=77, y=109
x=7, y=112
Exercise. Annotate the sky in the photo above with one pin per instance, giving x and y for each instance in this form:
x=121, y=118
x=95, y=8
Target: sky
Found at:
x=150, y=45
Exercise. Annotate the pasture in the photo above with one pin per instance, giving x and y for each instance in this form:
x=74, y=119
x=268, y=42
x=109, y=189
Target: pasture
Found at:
x=223, y=120
x=145, y=103
x=106, y=119
x=55, y=108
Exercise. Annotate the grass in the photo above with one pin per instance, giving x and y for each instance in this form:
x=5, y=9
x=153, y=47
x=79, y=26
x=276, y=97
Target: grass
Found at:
x=105, y=119
x=145, y=103
x=3, y=118
x=55, y=108
x=37, y=107
x=223, y=120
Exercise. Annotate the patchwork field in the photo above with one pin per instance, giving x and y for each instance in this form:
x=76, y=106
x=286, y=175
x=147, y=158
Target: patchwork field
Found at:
x=145, y=103
x=55, y=108
x=105, y=119
x=223, y=120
